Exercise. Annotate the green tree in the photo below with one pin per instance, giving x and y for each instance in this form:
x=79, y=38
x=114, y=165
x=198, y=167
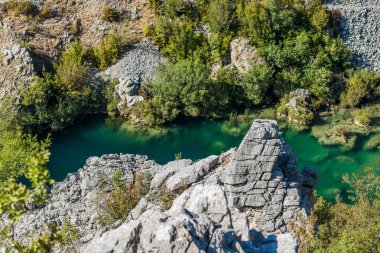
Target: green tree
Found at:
x=108, y=51
x=256, y=83
x=256, y=22
x=16, y=149
x=360, y=85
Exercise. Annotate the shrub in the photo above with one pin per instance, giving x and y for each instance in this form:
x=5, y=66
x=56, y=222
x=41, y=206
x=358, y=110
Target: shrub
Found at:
x=166, y=198
x=45, y=13
x=362, y=117
x=221, y=16
x=373, y=143
x=21, y=7
x=361, y=85
x=117, y=204
x=16, y=149
x=110, y=14
x=108, y=51
x=320, y=19
x=256, y=22
x=256, y=83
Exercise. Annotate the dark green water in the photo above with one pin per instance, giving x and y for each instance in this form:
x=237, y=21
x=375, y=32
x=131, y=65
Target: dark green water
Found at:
x=196, y=140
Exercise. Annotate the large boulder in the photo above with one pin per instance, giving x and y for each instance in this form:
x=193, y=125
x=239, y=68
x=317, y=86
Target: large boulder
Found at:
x=298, y=109
x=243, y=55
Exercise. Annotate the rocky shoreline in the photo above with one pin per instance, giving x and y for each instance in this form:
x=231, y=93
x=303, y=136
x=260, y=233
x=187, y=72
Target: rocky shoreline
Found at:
x=244, y=200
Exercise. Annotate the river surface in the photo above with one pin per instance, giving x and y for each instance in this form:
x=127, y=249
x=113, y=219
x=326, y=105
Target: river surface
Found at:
x=198, y=139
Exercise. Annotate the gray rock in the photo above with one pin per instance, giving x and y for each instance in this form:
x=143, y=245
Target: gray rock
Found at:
x=240, y=201
x=243, y=55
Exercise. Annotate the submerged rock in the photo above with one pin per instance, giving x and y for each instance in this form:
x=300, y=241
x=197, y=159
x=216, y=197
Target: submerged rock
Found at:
x=241, y=201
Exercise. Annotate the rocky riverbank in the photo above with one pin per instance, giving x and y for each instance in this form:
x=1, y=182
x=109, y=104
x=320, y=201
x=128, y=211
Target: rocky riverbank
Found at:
x=241, y=201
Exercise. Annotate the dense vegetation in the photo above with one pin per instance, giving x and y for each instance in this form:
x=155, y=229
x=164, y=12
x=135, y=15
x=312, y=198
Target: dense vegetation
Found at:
x=291, y=39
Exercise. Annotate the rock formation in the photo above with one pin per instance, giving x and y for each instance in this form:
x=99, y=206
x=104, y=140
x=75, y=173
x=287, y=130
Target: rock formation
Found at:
x=243, y=55
x=16, y=69
x=360, y=28
x=138, y=65
x=241, y=201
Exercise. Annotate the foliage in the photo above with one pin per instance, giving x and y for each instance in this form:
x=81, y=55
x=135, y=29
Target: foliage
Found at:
x=117, y=204
x=107, y=51
x=256, y=22
x=68, y=235
x=16, y=149
x=166, y=198
x=110, y=14
x=178, y=156
x=55, y=101
x=361, y=85
x=373, y=143
x=256, y=82
x=362, y=117
x=350, y=227
x=111, y=97
x=20, y=7
x=221, y=17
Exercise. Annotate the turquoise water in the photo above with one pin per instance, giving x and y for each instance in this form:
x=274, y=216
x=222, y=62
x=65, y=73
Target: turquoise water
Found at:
x=198, y=139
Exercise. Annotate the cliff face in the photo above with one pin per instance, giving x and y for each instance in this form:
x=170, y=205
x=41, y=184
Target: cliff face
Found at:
x=241, y=201
x=360, y=29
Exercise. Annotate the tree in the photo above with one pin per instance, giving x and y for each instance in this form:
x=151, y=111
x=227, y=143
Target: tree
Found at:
x=256, y=82
x=256, y=23
x=16, y=149
x=360, y=85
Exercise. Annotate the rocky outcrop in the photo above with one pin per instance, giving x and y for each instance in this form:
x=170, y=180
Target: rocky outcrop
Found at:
x=138, y=65
x=299, y=107
x=16, y=69
x=360, y=29
x=241, y=201
x=243, y=55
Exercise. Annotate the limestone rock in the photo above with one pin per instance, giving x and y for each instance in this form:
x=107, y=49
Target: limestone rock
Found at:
x=137, y=66
x=243, y=55
x=240, y=201
x=299, y=108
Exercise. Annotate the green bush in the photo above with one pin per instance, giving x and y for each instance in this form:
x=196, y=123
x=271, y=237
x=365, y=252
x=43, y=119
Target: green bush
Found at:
x=373, y=143
x=360, y=85
x=56, y=101
x=110, y=14
x=16, y=149
x=108, y=51
x=256, y=22
x=221, y=16
x=20, y=7
x=362, y=117
x=117, y=204
x=256, y=83
x=353, y=227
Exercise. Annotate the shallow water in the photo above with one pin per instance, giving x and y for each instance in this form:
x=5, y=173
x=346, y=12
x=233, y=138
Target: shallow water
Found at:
x=198, y=139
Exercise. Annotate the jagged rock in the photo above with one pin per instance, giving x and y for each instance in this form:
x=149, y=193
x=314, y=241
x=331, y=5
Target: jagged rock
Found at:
x=243, y=55
x=240, y=201
x=247, y=208
x=138, y=65
x=16, y=69
x=299, y=107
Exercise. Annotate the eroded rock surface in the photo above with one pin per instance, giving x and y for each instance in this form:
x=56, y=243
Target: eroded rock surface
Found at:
x=360, y=29
x=241, y=201
x=138, y=65
x=16, y=69
x=243, y=55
